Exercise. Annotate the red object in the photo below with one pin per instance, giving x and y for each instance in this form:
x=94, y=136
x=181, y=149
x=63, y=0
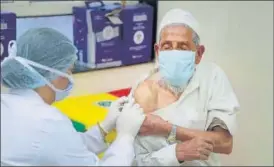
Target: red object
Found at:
x=121, y=92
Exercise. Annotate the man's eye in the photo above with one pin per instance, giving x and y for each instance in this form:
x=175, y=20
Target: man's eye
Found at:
x=183, y=47
x=166, y=47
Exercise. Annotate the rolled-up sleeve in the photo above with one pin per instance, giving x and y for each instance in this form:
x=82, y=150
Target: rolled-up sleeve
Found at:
x=223, y=118
x=166, y=156
x=223, y=103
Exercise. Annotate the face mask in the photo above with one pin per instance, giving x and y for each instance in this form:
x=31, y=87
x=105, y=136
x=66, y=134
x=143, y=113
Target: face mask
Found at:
x=176, y=67
x=59, y=94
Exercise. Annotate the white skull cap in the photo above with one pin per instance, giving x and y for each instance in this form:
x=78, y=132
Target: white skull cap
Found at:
x=179, y=16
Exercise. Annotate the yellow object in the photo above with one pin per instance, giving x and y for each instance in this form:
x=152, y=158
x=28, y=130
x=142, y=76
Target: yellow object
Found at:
x=103, y=133
x=85, y=109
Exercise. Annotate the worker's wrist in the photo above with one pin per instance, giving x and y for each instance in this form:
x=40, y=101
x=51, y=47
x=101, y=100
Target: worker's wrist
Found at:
x=102, y=129
x=106, y=127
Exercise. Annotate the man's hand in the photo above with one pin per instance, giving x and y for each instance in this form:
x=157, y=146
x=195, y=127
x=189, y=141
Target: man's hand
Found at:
x=194, y=149
x=155, y=125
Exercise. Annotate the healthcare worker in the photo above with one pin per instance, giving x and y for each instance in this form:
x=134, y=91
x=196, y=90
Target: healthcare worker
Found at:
x=34, y=133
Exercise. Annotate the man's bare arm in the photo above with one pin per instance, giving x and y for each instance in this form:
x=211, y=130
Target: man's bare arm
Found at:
x=223, y=140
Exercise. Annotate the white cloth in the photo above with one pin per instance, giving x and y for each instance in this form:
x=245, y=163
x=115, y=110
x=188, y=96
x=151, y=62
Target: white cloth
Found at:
x=209, y=95
x=179, y=16
x=34, y=134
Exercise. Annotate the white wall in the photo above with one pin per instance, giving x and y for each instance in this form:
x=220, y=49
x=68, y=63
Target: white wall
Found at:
x=239, y=37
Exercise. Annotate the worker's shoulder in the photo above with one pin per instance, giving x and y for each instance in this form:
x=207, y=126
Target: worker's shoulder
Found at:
x=53, y=120
x=53, y=113
x=35, y=118
x=33, y=109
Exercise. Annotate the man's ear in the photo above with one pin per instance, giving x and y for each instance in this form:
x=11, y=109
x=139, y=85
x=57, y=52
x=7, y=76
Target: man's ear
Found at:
x=156, y=50
x=200, y=53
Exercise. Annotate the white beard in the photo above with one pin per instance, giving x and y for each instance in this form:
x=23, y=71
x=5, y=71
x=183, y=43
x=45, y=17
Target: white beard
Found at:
x=177, y=91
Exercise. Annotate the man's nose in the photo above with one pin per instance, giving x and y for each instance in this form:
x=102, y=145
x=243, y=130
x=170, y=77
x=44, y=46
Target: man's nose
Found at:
x=175, y=45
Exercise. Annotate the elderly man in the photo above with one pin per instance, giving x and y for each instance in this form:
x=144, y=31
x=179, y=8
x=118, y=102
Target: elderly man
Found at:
x=190, y=104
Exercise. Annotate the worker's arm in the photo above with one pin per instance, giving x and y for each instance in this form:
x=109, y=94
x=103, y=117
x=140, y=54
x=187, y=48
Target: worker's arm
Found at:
x=94, y=140
x=120, y=153
x=65, y=147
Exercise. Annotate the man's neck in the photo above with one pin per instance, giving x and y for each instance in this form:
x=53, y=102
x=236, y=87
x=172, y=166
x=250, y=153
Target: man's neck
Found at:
x=176, y=91
x=154, y=75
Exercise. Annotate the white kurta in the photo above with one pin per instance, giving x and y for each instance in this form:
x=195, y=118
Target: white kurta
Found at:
x=209, y=95
x=34, y=134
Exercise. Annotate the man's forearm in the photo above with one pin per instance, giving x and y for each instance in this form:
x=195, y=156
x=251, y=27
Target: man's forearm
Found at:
x=223, y=141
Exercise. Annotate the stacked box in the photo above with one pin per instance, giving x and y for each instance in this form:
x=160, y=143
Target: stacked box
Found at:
x=137, y=33
x=8, y=32
x=97, y=37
